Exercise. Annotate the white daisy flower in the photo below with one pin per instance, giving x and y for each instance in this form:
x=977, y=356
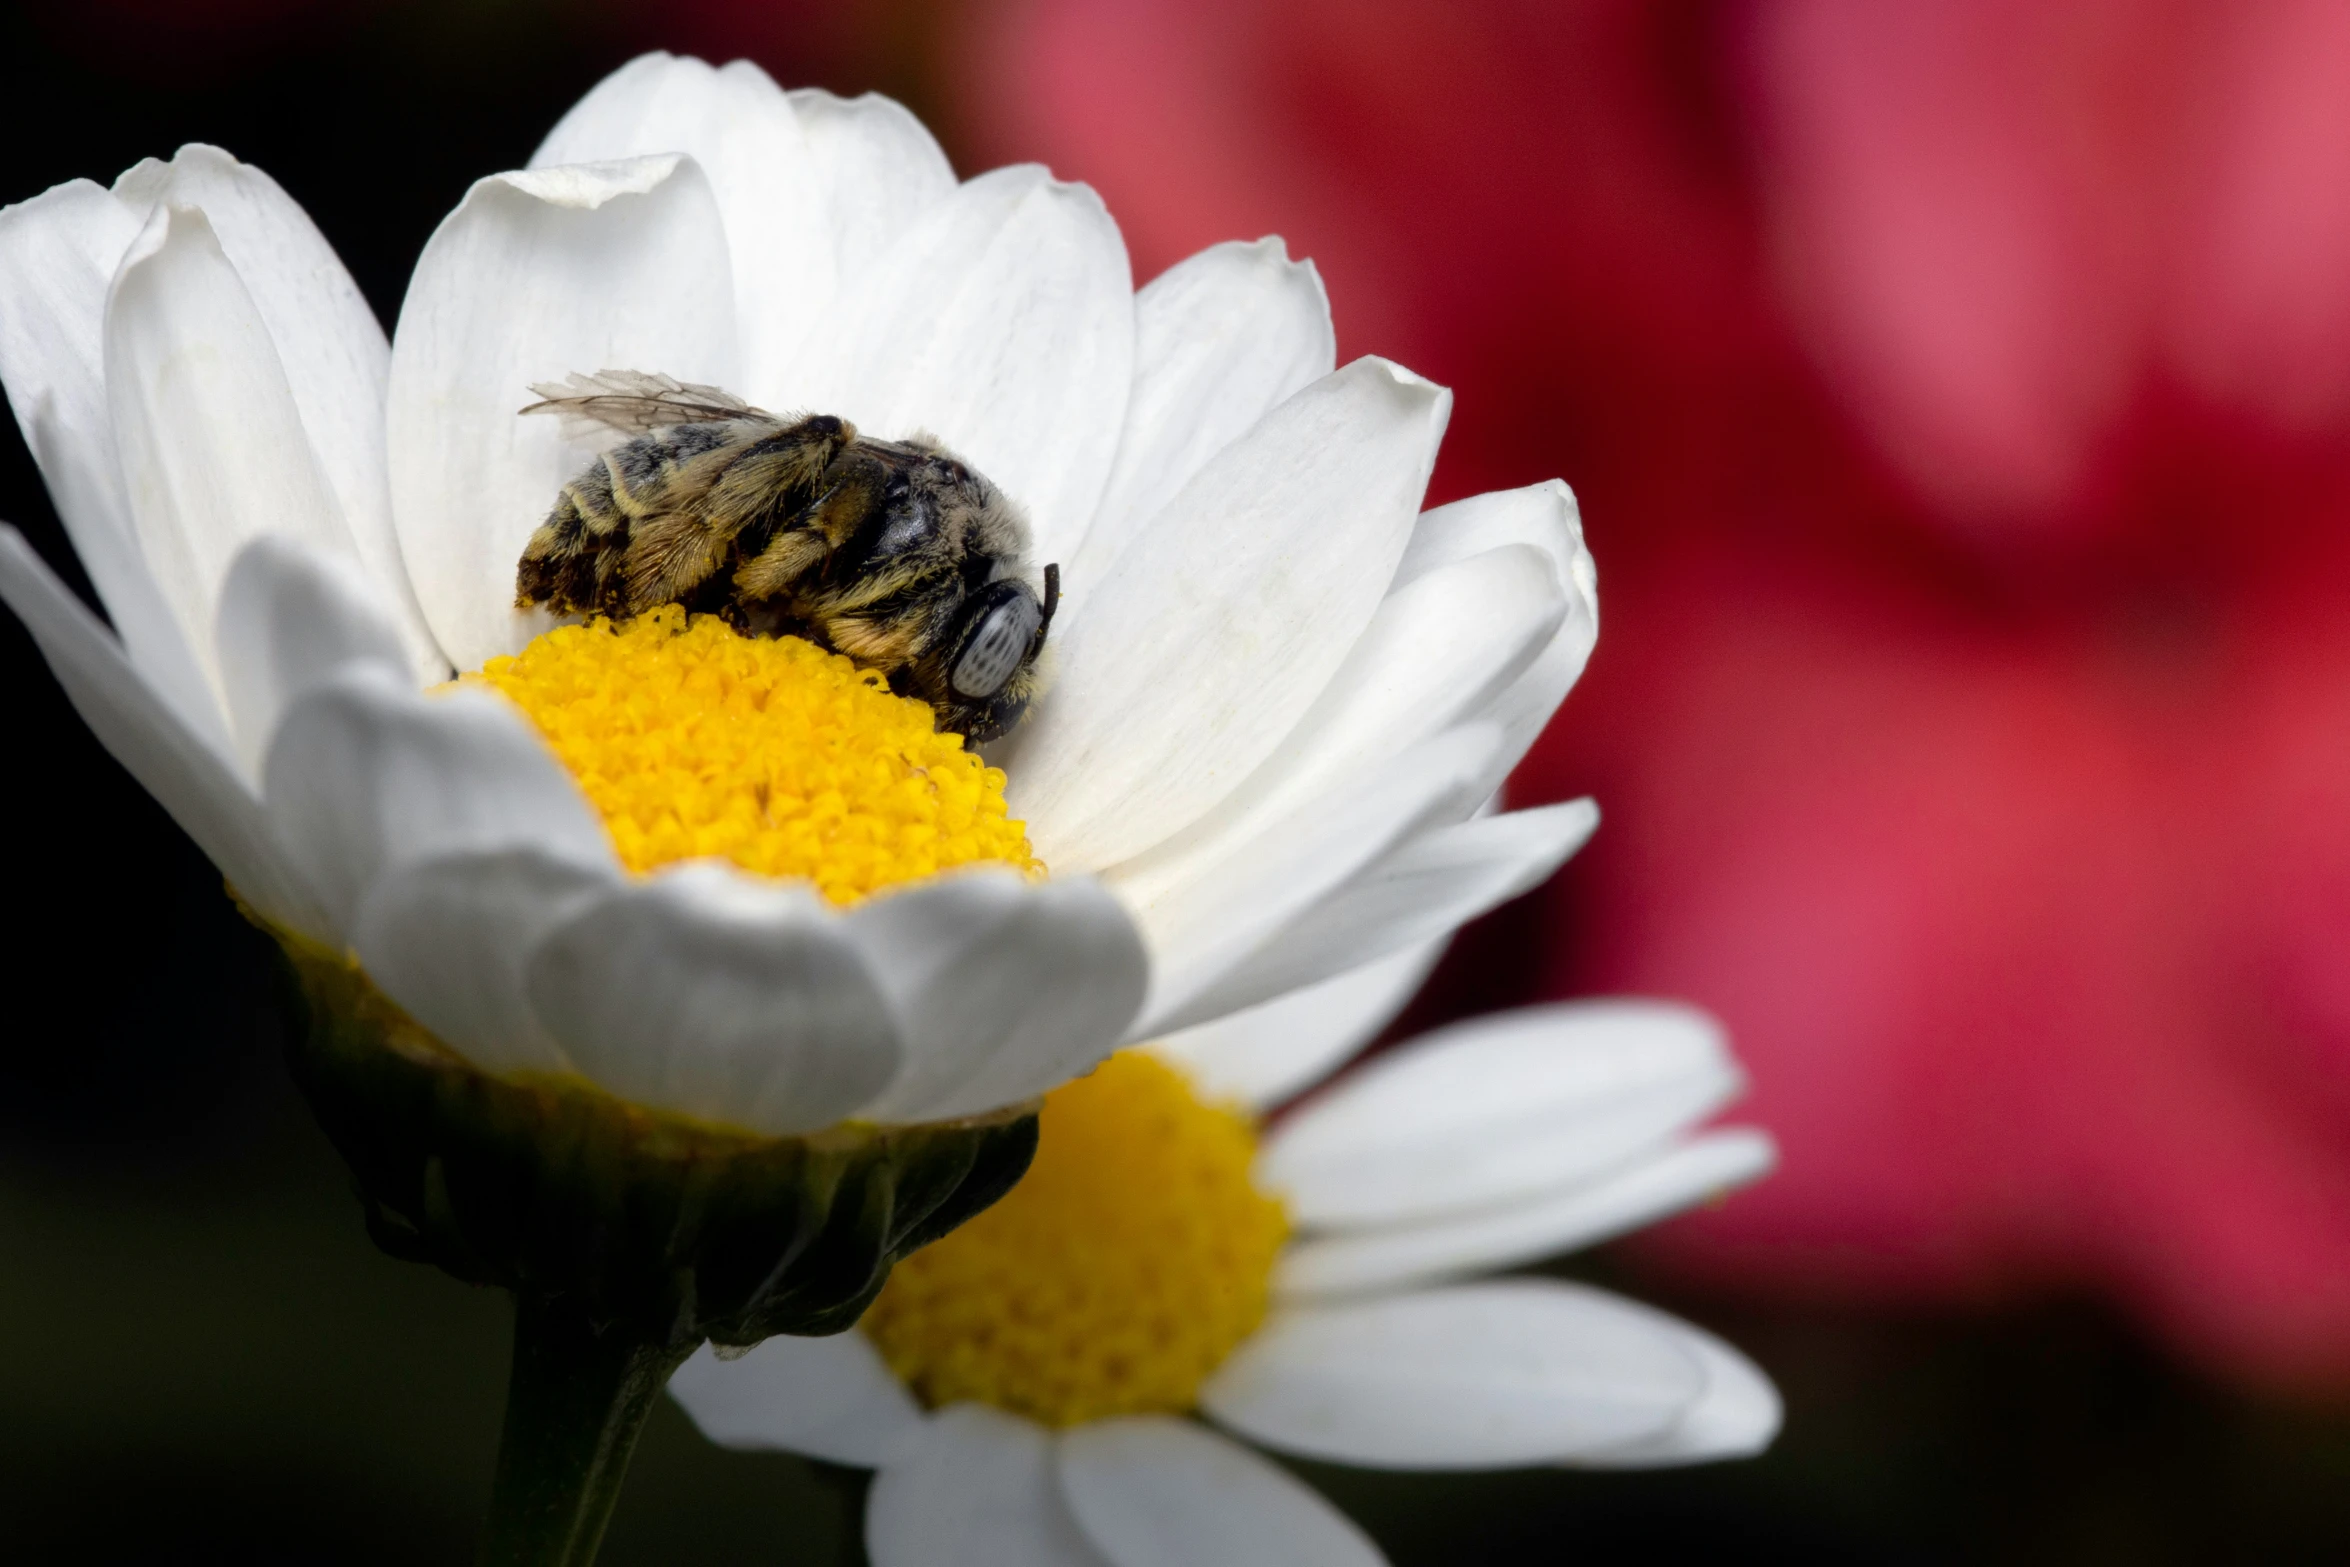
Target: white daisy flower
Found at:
x=1024, y=1388
x=1280, y=693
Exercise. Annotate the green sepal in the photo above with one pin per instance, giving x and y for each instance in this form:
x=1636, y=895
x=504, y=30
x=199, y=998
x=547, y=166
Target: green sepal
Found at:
x=552, y=1187
x=628, y=1236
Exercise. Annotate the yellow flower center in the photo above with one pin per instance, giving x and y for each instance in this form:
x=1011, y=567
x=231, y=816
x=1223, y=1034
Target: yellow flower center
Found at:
x=696, y=741
x=1134, y=1256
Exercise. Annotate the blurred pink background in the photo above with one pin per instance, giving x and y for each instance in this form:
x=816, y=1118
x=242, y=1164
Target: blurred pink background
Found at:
x=1959, y=396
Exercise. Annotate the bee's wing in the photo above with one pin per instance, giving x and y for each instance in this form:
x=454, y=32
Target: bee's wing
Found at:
x=633, y=402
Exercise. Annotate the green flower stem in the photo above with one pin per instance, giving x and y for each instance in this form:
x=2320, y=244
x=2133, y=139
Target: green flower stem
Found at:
x=627, y=1235
x=577, y=1398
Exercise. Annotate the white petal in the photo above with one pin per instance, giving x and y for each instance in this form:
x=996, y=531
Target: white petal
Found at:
x=831, y=1398
x=1543, y=515
x=448, y=938
x=1002, y=323
x=880, y=168
x=366, y=777
x=1651, y=1187
x=59, y=251
x=211, y=441
x=974, y=1488
x=1436, y=653
x=1150, y=1491
x=1226, y=618
x=58, y=256
x=329, y=345
x=291, y=617
x=1220, y=340
x=1002, y=990
x=1736, y=1417
x=1421, y=889
x=1203, y=930
x=1501, y=1106
x=706, y=991
x=185, y=775
x=737, y=124
x=1514, y=1371
x=1546, y=517
x=1263, y=1055
x=535, y=275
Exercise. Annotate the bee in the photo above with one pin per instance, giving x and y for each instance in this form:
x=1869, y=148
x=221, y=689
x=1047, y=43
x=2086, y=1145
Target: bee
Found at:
x=896, y=553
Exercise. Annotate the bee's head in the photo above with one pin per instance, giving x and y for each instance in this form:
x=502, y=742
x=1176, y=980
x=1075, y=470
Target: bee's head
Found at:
x=991, y=657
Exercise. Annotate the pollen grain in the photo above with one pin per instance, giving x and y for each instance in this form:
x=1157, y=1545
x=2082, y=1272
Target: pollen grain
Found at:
x=695, y=741
x=1132, y=1259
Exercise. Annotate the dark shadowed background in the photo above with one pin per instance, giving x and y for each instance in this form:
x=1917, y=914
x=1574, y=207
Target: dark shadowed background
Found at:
x=199, y=1350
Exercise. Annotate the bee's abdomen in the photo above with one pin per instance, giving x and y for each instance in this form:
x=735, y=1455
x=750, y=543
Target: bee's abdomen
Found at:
x=569, y=561
x=655, y=517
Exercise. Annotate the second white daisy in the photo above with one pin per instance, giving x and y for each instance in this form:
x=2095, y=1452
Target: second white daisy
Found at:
x=1024, y=1388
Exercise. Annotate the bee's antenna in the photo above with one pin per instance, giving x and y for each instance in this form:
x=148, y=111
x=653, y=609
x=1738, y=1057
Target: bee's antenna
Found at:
x=1052, y=597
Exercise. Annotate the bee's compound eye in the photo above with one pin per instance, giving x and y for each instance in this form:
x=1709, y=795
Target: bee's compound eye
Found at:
x=998, y=640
